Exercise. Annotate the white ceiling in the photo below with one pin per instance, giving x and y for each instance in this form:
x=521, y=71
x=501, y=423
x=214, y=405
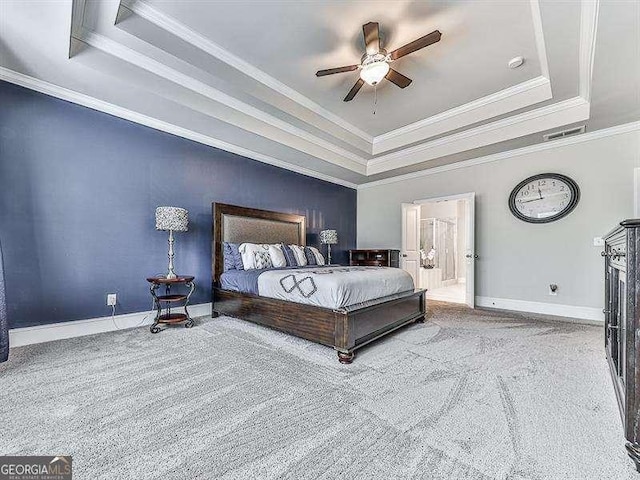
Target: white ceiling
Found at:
x=240, y=75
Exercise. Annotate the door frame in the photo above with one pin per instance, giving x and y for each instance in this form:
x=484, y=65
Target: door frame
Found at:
x=471, y=198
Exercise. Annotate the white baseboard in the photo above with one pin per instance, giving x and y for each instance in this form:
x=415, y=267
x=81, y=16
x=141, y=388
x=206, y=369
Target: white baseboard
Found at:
x=445, y=298
x=438, y=298
x=571, y=311
x=78, y=328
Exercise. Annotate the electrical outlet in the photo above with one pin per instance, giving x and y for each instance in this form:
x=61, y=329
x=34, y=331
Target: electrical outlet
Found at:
x=112, y=299
x=598, y=242
x=553, y=289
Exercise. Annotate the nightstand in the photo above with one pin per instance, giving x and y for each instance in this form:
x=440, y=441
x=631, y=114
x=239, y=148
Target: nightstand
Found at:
x=170, y=301
x=375, y=258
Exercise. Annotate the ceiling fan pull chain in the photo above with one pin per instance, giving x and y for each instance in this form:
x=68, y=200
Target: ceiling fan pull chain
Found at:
x=375, y=98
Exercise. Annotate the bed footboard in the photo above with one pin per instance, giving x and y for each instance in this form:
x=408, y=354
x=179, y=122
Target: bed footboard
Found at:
x=358, y=327
x=345, y=330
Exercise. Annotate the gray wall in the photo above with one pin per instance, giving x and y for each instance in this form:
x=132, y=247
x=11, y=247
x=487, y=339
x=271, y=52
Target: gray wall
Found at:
x=518, y=260
x=78, y=191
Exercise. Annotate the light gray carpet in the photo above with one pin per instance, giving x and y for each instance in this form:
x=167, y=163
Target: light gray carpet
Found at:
x=468, y=395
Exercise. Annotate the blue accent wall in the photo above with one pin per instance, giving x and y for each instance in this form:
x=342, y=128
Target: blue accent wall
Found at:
x=78, y=192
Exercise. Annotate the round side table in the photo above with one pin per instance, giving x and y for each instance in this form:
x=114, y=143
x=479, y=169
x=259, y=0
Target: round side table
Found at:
x=171, y=300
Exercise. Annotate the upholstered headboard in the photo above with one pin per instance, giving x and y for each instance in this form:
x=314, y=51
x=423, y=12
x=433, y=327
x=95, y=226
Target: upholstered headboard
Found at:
x=239, y=225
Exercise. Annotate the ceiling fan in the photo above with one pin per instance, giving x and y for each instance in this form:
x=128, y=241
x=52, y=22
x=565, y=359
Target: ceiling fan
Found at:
x=374, y=65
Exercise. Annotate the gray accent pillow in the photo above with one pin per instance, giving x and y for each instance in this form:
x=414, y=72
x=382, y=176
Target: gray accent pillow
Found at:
x=289, y=256
x=311, y=258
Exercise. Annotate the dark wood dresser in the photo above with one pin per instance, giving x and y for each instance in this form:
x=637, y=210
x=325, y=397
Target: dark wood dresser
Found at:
x=622, y=326
x=375, y=258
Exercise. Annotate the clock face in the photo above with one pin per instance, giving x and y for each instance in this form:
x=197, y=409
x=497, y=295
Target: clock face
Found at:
x=544, y=198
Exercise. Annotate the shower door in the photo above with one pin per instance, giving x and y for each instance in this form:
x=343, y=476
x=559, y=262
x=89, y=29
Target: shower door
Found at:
x=440, y=235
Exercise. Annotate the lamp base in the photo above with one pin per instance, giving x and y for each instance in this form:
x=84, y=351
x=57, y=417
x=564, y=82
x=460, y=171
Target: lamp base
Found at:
x=171, y=274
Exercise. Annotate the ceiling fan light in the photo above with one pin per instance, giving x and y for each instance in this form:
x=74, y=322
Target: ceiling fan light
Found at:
x=373, y=72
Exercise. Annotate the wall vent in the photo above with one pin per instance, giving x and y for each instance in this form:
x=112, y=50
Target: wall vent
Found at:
x=564, y=133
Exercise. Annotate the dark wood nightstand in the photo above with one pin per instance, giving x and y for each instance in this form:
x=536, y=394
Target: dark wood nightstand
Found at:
x=375, y=258
x=171, y=300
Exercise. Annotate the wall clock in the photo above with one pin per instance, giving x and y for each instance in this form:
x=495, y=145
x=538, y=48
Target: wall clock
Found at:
x=544, y=198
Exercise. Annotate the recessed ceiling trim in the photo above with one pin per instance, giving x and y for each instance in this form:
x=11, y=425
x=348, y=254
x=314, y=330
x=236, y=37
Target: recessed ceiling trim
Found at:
x=589, y=12
x=144, y=10
x=561, y=113
x=513, y=98
x=126, y=54
x=136, y=117
x=77, y=20
x=538, y=31
x=538, y=147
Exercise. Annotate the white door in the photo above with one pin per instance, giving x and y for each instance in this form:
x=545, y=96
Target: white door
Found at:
x=470, y=251
x=410, y=254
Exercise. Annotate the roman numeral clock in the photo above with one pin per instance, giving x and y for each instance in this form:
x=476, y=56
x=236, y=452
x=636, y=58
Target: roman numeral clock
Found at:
x=544, y=198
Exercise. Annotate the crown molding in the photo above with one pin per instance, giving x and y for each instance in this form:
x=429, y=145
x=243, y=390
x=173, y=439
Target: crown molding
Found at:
x=561, y=113
x=353, y=162
x=589, y=13
x=77, y=20
x=121, y=112
x=538, y=147
x=538, y=31
x=180, y=30
x=513, y=98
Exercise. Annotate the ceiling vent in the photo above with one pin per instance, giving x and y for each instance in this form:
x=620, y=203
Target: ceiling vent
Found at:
x=564, y=133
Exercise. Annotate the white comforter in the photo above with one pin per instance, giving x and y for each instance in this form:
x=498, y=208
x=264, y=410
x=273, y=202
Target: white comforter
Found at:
x=334, y=287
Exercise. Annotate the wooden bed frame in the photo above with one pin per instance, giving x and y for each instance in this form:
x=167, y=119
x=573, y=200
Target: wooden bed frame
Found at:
x=344, y=329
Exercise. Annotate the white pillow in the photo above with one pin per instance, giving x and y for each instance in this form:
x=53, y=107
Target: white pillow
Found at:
x=247, y=252
x=318, y=255
x=277, y=256
x=298, y=252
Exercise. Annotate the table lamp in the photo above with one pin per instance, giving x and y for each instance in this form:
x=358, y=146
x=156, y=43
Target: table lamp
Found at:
x=173, y=219
x=328, y=238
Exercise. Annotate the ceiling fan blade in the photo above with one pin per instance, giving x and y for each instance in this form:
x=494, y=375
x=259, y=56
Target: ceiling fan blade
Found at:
x=354, y=90
x=331, y=71
x=422, y=42
x=371, y=37
x=397, y=78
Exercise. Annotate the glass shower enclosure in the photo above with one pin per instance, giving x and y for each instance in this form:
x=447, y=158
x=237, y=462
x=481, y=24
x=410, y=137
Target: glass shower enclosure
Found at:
x=438, y=245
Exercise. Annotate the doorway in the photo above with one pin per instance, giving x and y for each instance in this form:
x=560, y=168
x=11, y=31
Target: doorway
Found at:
x=438, y=247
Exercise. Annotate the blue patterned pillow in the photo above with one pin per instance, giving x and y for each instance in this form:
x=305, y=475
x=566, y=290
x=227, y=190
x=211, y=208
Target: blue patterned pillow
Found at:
x=289, y=256
x=235, y=255
x=229, y=263
x=311, y=258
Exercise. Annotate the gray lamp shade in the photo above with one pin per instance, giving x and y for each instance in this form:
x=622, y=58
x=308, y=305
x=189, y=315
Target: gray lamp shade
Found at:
x=328, y=237
x=172, y=218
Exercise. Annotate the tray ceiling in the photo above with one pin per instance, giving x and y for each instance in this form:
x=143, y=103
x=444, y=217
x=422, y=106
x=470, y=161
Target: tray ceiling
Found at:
x=240, y=75
x=478, y=41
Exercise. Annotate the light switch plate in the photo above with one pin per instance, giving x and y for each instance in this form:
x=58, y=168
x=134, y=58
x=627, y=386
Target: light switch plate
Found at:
x=598, y=242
